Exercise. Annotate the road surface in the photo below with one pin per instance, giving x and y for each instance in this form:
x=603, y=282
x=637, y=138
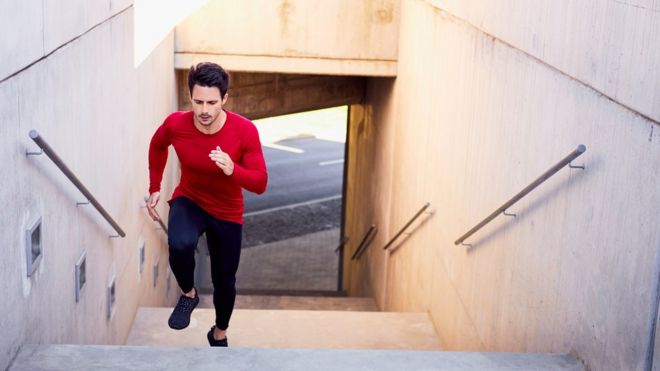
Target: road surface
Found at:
x=293, y=178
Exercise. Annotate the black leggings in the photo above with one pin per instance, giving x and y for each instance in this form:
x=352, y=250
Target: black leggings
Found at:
x=187, y=221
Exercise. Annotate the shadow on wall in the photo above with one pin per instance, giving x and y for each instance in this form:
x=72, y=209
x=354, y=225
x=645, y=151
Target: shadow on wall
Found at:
x=59, y=183
x=563, y=186
x=412, y=231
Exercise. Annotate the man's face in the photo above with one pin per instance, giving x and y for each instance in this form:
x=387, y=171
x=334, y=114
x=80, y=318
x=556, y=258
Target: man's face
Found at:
x=207, y=104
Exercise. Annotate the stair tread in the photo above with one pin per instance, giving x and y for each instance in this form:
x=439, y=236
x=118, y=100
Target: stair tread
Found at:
x=292, y=329
x=297, y=302
x=100, y=358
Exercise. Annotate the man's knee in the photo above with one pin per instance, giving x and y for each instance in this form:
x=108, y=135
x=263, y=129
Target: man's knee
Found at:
x=182, y=243
x=224, y=279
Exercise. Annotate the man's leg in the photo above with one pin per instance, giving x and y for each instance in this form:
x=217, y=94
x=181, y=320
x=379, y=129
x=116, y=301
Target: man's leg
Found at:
x=224, y=240
x=186, y=223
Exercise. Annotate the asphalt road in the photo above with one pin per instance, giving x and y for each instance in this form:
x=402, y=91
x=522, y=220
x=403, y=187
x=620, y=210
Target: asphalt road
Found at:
x=300, y=177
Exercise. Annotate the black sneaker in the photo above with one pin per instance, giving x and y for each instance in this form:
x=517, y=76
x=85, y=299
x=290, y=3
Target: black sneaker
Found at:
x=216, y=343
x=180, y=317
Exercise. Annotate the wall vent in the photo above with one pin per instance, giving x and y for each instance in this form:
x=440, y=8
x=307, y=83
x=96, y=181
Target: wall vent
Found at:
x=111, y=297
x=156, y=264
x=33, y=245
x=168, y=278
x=81, y=278
x=141, y=254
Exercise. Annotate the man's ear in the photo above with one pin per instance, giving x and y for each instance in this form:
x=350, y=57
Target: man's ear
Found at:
x=224, y=99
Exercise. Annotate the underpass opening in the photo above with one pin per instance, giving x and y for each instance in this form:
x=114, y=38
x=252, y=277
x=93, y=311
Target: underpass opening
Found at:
x=292, y=231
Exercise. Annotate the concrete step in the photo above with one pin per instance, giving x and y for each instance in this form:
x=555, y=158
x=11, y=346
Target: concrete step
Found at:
x=296, y=302
x=292, y=329
x=101, y=358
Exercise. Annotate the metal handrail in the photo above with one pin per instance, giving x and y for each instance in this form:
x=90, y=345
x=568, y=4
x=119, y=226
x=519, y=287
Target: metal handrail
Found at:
x=162, y=225
x=160, y=220
x=341, y=244
x=363, y=244
x=426, y=206
x=502, y=209
x=34, y=135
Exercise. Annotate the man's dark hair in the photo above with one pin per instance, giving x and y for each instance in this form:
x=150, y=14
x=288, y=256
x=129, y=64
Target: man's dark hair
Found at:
x=209, y=75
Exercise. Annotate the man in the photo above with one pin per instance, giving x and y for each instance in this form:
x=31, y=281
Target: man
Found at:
x=220, y=153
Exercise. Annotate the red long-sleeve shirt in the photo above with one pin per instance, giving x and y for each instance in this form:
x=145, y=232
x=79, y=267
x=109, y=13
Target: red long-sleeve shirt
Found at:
x=202, y=180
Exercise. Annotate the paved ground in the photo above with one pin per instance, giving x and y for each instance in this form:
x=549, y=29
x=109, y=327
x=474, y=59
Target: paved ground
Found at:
x=292, y=222
x=303, y=263
x=289, y=249
x=307, y=262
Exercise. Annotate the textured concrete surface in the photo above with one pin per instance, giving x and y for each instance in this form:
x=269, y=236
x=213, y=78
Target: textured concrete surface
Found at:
x=20, y=49
x=74, y=358
x=97, y=111
x=291, y=64
x=609, y=45
x=292, y=329
x=63, y=23
x=296, y=302
x=304, y=33
x=34, y=28
x=577, y=269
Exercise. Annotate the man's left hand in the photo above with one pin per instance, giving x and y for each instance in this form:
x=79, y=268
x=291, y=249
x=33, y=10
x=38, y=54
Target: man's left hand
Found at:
x=223, y=160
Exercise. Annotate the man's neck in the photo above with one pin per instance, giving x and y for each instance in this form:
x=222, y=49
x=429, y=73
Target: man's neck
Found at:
x=215, y=126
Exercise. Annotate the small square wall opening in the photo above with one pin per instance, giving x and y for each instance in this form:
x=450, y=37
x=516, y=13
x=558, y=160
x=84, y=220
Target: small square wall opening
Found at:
x=156, y=264
x=111, y=297
x=81, y=277
x=141, y=255
x=33, y=244
x=168, y=280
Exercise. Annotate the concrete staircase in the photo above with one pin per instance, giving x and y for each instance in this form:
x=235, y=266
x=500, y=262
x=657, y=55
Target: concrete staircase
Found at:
x=262, y=321
x=297, y=302
x=251, y=328
x=100, y=358
x=284, y=333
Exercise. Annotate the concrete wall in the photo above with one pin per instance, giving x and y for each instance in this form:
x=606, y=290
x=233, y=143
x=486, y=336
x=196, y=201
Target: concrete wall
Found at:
x=611, y=46
x=488, y=97
x=369, y=187
x=83, y=95
x=345, y=37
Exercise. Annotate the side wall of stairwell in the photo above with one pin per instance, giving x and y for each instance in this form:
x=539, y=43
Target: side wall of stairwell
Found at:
x=488, y=97
x=67, y=71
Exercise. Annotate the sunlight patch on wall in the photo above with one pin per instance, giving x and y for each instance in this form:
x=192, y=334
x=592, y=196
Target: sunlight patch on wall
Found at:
x=154, y=19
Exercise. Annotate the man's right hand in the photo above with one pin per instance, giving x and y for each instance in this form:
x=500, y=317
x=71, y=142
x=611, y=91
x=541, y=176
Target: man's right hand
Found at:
x=151, y=205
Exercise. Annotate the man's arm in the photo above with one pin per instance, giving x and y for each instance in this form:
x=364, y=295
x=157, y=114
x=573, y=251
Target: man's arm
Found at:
x=251, y=174
x=157, y=161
